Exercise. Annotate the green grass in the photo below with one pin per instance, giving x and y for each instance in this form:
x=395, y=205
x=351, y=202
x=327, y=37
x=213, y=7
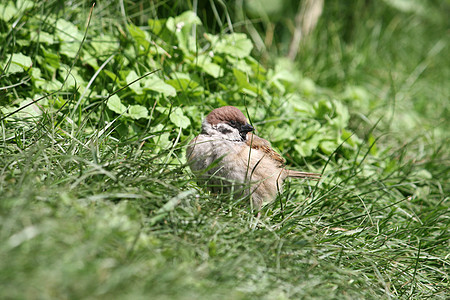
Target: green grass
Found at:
x=97, y=202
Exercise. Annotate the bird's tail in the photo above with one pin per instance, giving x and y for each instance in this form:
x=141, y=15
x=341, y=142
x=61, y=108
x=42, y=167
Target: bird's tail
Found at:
x=306, y=175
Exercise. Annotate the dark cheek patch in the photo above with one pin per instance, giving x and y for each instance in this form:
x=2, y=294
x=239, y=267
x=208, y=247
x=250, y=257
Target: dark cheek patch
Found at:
x=224, y=130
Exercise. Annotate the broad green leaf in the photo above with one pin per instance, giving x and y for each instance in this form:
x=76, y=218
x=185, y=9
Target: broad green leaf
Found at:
x=21, y=60
x=240, y=64
x=24, y=4
x=43, y=37
x=179, y=119
x=356, y=93
x=51, y=62
x=158, y=85
x=116, y=105
x=17, y=63
x=241, y=78
x=235, y=44
x=30, y=111
x=74, y=79
x=67, y=31
x=185, y=21
x=423, y=174
x=340, y=117
x=244, y=86
x=136, y=86
x=304, y=149
x=156, y=25
x=182, y=26
x=212, y=69
x=70, y=49
x=91, y=60
x=299, y=104
x=185, y=85
x=328, y=147
x=307, y=86
x=162, y=139
x=48, y=85
x=205, y=63
x=7, y=11
x=12, y=68
x=137, y=112
x=36, y=73
x=139, y=36
x=105, y=44
x=281, y=133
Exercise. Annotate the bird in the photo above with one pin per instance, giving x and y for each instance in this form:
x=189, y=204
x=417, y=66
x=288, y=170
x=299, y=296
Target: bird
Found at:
x=229, y=158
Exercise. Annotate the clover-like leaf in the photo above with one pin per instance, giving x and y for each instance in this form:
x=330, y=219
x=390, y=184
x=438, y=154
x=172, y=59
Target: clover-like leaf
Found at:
x=116, y=105
x=135, y=86
x=137, y=112
x=179, y=119
x=7, y=11
x=67, y=32
x=206, y=64
x=21, y=60
x=235, y=44
x=158, y=85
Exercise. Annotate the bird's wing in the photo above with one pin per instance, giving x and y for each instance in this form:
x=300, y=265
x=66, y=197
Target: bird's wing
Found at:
x=257, y=143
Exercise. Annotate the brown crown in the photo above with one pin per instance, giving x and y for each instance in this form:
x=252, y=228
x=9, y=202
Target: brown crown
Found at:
x=226, y=114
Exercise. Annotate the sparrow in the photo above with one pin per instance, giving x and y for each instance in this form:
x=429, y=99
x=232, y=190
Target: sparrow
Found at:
x=230, y=158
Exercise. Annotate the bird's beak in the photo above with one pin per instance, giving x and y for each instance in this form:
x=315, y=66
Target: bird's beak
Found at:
x=247, y=128
x=244, y=130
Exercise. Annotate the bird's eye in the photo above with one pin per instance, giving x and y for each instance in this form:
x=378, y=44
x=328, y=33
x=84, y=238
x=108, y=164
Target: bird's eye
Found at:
x=233, y=123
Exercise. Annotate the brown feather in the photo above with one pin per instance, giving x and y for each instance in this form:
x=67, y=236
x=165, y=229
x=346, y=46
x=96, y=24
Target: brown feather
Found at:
x=298, y=174
x=257, y=143
x=225, y=114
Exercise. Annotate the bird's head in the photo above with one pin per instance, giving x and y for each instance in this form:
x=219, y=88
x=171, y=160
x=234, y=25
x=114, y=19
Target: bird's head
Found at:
x=228, y=123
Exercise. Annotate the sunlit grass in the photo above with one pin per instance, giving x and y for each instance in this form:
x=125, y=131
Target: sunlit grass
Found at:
x=85, y=214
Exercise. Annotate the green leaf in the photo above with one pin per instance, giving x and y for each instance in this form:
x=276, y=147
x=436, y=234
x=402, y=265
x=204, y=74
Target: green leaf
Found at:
x=51, y=62
x=183, y=22
x=136, y=86
x=244, y=86
x=74, y=79
x=116, y=105
x=235, y=44
x=24, y=4
x=185, y=84
x=21, y=60
x=307, y=86
x=299, y=104
x=156, y=25
x=205, y=63
x=327, y=147
x=423, y=174
x=182, y=26
x=137, y=112
x=42, y=37
x=18, y=63
x=241, y=78
x=105, y=44
x=67, y=31
x=7, y=11
x=179, y=119
x=158, y=85
x=70, y=49
x=139, y=36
